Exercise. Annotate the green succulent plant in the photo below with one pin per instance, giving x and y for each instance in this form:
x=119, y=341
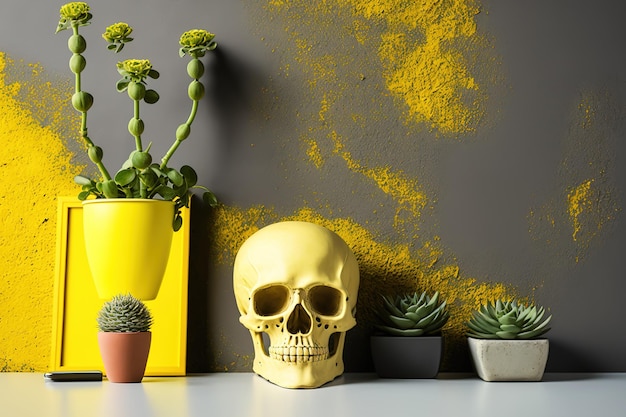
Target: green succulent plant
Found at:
x=508, y=320
x=124, y=314
x=139, y=176
x=412, y=315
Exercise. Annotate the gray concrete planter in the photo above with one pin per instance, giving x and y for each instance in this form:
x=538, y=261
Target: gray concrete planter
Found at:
x=509, y=360
x=406, y=357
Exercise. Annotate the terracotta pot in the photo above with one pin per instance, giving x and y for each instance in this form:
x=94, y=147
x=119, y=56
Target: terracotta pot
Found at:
x=124, y=355
x=127, y=242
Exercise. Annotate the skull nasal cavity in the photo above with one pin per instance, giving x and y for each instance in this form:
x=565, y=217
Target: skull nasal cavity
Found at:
x=299, y=321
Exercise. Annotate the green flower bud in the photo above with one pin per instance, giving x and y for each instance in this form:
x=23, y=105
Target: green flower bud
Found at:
x=195, y=90
x=82, y=101
x=95, y=154
x=77, y=44
x=141, y=160
x=136, y=91
x=77, y=63
x=135, y=126
x=195, y=68
x=183, y=131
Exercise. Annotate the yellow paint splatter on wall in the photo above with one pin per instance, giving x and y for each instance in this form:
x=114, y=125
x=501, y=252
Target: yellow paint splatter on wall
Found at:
x=36, y=167
x=425, y=55
x=384, y=267
x=405, y=191
x=423, y=51
x=587, y=206
x=579, y=203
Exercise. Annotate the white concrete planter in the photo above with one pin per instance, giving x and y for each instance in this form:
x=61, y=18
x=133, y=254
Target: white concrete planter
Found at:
x=509, y=360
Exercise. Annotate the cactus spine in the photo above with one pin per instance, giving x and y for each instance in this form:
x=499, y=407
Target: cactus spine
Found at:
x=124, y=314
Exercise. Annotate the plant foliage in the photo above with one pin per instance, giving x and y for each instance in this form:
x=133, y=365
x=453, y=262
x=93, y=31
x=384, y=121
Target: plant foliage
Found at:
x=412, y=315
x=124, y=314
x=508, y=320
x=139, y=176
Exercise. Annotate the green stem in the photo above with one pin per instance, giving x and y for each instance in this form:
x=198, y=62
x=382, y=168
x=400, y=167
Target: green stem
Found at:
x=176, y=144
x=143, y=192
x=169, y=153
x=194, y=110
x=138, y=144
x=83, y=123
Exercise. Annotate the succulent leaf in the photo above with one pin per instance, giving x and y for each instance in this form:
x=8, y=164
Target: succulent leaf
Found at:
x=412, y=315
x=435, y=325
x=401, y=322
x=507, y=320
x=391, y=308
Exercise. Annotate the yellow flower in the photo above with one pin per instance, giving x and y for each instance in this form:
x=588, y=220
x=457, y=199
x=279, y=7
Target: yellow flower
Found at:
x=74, y=13
x=135, y=69
x=117, y=32
x=76, y=10
x=117, y=35
x=196, y=37
x=196, y=42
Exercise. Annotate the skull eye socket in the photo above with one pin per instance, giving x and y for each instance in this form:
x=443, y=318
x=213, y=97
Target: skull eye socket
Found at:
x=325, y=300
x=272, y=300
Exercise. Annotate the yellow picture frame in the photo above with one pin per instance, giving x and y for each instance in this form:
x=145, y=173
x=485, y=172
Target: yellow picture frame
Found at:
x=76, y=302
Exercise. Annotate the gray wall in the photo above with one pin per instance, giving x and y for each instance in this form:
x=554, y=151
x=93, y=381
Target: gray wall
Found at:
x=489, y=192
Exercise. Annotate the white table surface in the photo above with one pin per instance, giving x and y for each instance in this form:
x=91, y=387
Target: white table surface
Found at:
x=248, y=395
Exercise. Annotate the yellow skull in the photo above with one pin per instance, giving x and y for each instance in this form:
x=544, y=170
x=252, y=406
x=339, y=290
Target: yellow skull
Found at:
x=296, y=287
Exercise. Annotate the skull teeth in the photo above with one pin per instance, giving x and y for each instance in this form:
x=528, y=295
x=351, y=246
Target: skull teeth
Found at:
x=298, y=354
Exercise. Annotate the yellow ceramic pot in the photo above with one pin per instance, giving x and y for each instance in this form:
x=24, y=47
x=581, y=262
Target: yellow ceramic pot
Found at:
x=128, y=244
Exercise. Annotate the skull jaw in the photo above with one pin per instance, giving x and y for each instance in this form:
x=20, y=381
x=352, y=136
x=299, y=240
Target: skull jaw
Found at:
x=297, y=374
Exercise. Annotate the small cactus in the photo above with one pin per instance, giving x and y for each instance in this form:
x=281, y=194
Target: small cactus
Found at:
x=508, y=320
x=124, y=314
x=412, y=315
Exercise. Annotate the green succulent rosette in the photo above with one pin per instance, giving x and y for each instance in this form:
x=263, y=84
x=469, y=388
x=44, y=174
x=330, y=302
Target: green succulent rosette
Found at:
x=508, y=320
x=412, y=315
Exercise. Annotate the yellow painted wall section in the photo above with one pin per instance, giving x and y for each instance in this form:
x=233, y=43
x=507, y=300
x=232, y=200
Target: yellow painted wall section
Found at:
x=36, y=168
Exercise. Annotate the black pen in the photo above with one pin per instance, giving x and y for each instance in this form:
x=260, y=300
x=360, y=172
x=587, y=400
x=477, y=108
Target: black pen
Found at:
x=68, y=376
